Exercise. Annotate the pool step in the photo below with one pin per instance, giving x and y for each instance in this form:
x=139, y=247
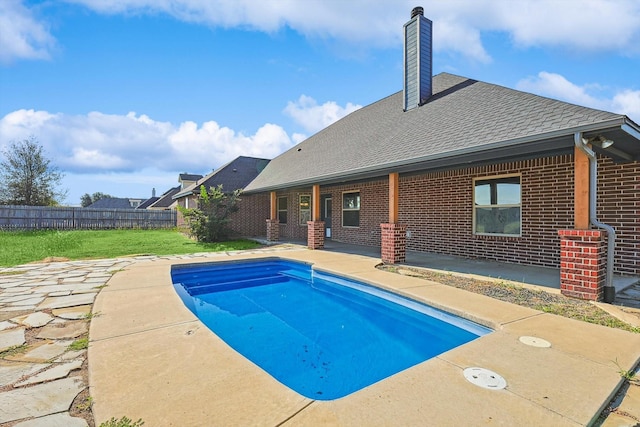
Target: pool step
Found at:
x=194, y=290
x=297, y=274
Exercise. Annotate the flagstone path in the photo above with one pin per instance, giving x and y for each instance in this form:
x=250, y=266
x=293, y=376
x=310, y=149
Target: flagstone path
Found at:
x=44, y=308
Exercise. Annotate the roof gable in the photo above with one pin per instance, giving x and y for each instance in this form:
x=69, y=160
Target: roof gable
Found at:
x=235, y=175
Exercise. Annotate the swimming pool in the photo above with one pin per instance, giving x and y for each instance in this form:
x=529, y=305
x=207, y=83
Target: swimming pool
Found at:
x=322, y=335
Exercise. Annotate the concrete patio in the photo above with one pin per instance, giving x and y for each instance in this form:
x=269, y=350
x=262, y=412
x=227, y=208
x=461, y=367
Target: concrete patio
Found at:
x=151, y=358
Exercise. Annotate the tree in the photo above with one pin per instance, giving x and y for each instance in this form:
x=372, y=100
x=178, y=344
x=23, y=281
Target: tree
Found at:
x=209, y=222
x=27, y=177
x=86, y=199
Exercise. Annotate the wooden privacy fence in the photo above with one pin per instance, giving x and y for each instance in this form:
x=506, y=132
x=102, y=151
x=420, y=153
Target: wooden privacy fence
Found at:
x=70, y=218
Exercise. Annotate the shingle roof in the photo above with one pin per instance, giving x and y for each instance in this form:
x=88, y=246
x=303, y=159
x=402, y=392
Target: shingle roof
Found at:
x=232, y=176
x=464, y=117
x=165, y=200
x=189, y=177
x=111, y=203
x=147, y=203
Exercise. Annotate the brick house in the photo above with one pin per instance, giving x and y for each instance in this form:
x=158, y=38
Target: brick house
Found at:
x=457, y=166
x=232, y=176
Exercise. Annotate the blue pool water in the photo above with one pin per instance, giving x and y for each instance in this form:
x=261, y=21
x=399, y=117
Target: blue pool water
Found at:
x=321, y=335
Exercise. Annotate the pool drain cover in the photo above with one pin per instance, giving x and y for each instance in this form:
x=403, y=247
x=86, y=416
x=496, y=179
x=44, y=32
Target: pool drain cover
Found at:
x=485, y=378
x=535, y=342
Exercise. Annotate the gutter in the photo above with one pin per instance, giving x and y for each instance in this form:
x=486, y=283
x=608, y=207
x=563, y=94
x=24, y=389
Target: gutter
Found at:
x=609, y=289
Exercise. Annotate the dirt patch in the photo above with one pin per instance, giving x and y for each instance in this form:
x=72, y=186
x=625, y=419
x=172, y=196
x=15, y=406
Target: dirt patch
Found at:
x=516, y=294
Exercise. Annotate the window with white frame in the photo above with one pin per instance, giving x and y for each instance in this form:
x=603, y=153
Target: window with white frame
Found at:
x=497, y=206
x=304, y=208
x=282, y=210
x=351, y=209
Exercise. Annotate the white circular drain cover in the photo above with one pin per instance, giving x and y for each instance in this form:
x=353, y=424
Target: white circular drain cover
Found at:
x=535, y=342
x=485, y=378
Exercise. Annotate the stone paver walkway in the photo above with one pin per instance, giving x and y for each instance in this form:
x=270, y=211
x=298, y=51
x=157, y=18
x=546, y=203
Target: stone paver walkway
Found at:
x=45, y=307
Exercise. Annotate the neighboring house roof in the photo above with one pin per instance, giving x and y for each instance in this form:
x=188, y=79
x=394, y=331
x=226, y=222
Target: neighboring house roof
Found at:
x=111, y=203
x=464, y=121
x=165, y=200
x=233, y=176
x=189, y=177
x=147, y=203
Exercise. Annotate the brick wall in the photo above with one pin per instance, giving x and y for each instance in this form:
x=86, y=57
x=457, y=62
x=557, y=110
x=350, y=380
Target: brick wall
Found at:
x=393, y=243
x=374, y=200
x=619, y=206
x=293, y=230
x=374, y=210
x=315, y=234
x=582, y=263
x=437, y=210
x=251, y=218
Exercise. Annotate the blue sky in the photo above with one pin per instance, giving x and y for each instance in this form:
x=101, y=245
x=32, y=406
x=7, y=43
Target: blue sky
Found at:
x=126, y=94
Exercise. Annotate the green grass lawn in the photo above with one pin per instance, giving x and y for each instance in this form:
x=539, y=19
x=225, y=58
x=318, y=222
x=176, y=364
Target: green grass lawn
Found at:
x=21, y=247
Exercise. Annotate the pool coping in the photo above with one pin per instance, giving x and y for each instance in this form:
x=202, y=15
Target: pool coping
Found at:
x=151, y=358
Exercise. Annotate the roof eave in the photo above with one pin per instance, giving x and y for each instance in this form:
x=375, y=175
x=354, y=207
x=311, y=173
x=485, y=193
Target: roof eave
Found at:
x=517, y=146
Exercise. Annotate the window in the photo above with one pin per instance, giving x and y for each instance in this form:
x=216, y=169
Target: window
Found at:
x=497, y=206
x=305, y=209
x=351, y=209
x=282, y=210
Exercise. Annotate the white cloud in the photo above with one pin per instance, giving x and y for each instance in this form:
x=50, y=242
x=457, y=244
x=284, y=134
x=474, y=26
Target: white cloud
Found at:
x=21, y=35
x=574, y=25
x=98, y=142
x=556, y=86
x=612, y=25
x=313, y=117
x=577, y=24
x=628, y=102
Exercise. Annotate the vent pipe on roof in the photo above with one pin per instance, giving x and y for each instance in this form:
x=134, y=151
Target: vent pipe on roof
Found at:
x=417, y=60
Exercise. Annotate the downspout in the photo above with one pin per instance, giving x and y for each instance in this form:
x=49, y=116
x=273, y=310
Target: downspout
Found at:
x=609, y=289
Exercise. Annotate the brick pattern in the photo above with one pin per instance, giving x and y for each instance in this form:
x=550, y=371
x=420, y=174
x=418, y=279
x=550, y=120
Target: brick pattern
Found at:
x=582, y=263
x=373, y=211
x=439, y=212
x=249, y=220
x=437, y=209
x=315, y=234
x=293, y=230
x=393, y=243
x=619, y=206
x=273, y=230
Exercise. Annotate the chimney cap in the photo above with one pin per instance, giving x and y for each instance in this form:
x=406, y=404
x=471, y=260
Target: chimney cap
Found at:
x=418, y=10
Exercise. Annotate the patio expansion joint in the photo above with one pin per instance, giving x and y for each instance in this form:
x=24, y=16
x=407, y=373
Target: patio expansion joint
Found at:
x=290, y=417
x=166, y=326
x=521, y=319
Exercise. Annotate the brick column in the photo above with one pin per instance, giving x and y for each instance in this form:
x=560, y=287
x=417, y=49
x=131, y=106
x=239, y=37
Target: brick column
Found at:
x=315, y=234
x=394, y=243
x=273, y=230
x=582, y=263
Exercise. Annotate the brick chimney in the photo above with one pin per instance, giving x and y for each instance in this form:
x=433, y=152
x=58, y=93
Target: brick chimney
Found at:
x=417, y=60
